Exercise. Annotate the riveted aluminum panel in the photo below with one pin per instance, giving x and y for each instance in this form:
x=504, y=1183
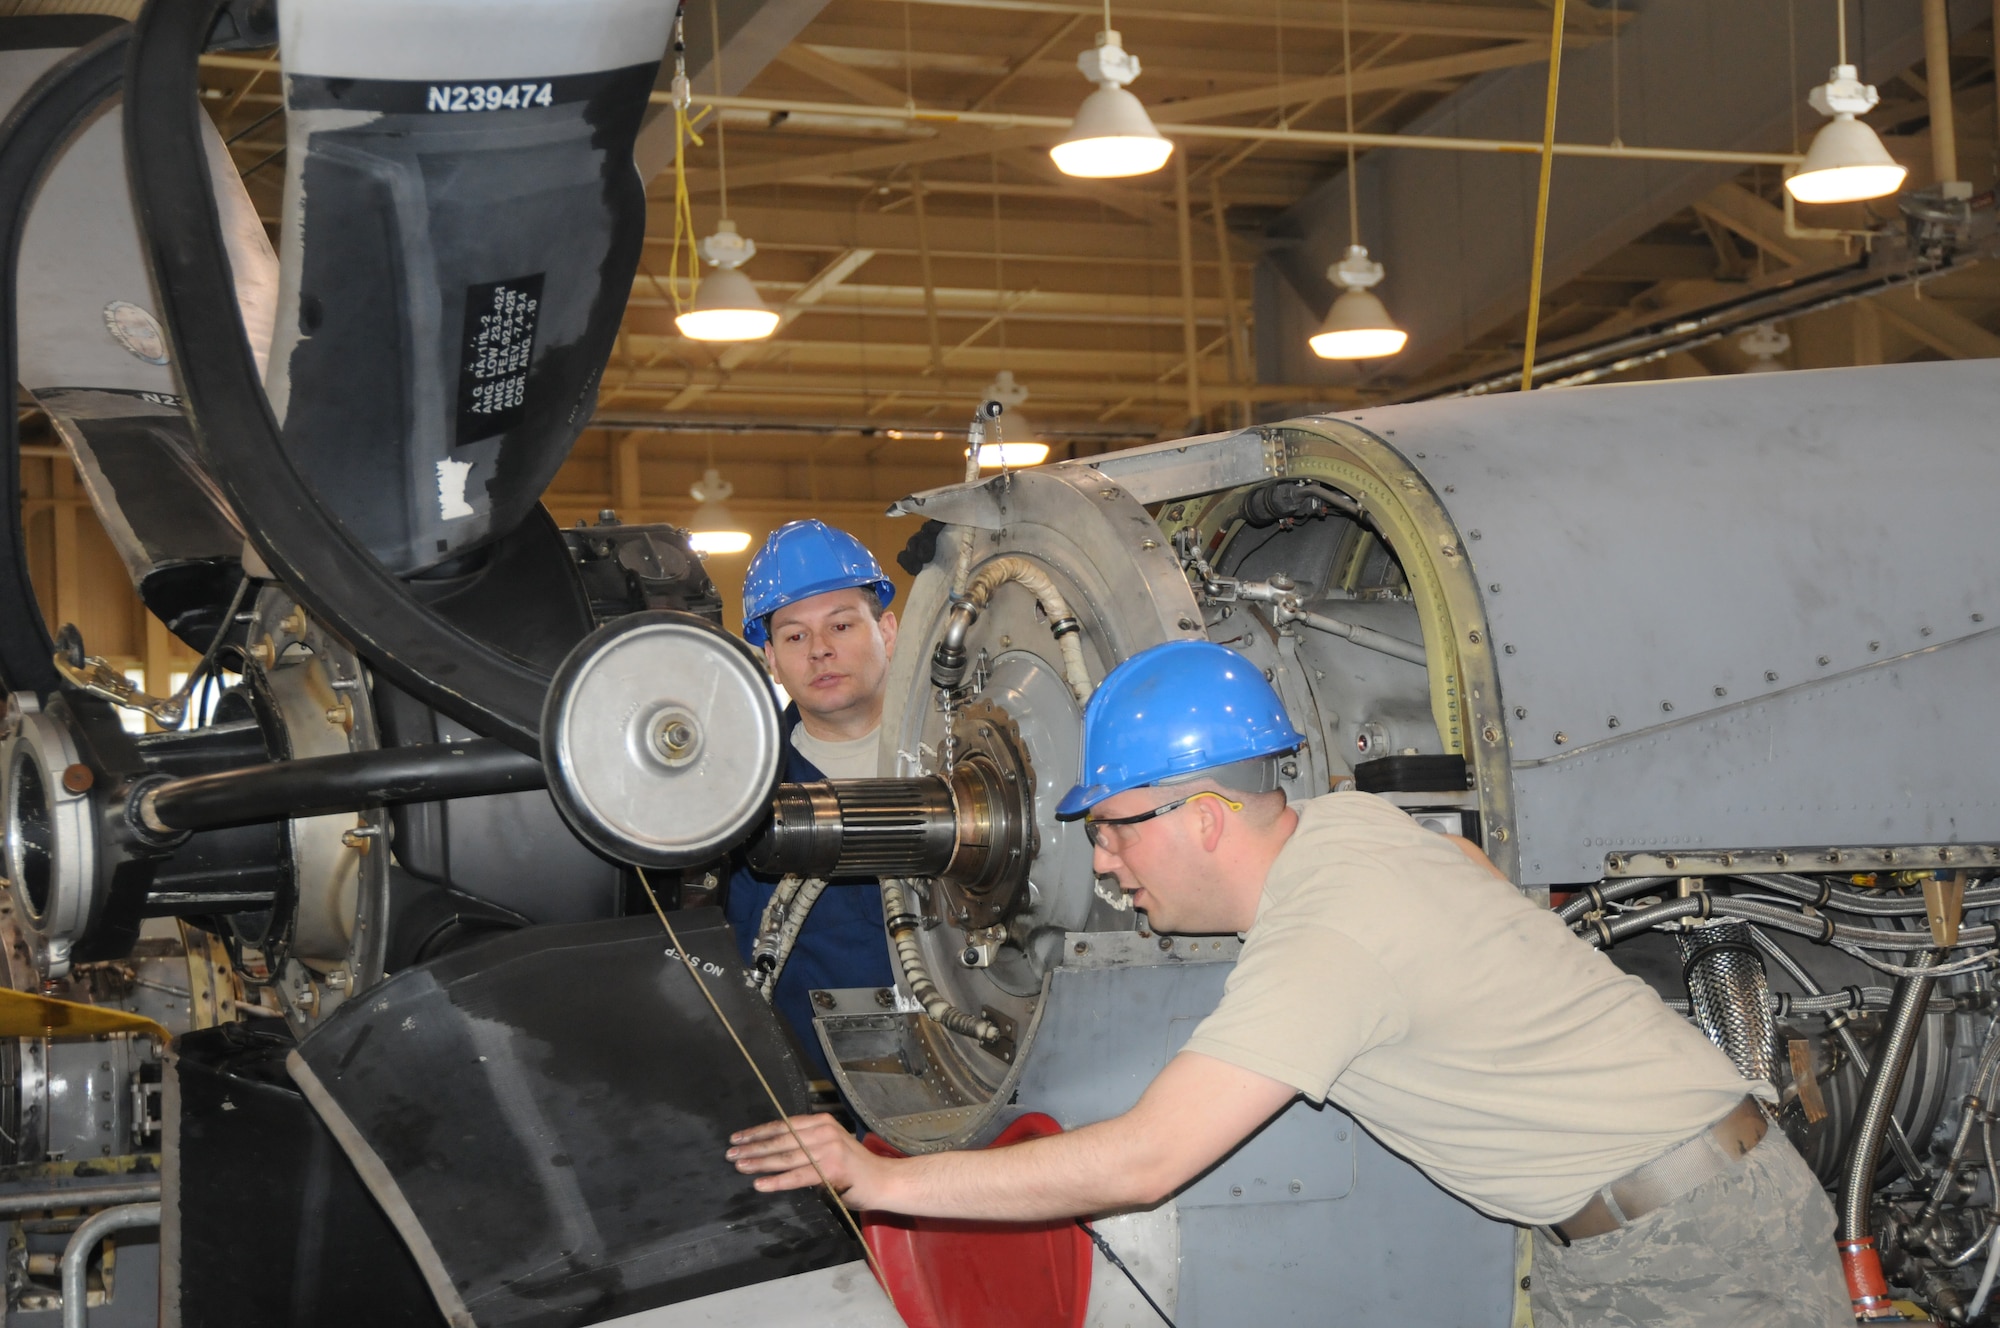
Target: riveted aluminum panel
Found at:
x=1655, y=554
x=1308, y=1213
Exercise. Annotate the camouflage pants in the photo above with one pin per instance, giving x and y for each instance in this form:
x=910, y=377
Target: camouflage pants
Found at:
x=1750, y=1248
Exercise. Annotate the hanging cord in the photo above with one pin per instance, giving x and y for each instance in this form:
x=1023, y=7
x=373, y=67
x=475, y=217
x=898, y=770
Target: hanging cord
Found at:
x=1347, y=91
x=1542, y=200
x=1111, y=1257
x=687, y=962
x=721, y=135
x=684, y=237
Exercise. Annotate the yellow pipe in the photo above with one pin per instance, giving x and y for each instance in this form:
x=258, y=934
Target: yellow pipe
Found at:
x=1542, y=202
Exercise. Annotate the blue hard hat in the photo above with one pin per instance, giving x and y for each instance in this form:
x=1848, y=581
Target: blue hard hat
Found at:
x=800, y=560
x=1169, y=713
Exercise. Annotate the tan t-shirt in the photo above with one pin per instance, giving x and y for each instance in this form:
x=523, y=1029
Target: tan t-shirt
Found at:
x=852, y=759
x=1458, y=1021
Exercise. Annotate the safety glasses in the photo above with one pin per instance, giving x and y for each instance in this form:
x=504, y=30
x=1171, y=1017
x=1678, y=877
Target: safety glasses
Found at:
x=1095, y=827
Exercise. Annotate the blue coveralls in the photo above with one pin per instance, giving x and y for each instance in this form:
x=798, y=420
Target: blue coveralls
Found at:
x=842, y=943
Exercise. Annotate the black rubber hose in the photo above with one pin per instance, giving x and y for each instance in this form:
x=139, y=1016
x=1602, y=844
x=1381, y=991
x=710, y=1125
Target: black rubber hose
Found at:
x=338, y=580
x=1885, y=1080
x=350, y=782
x=34, y=132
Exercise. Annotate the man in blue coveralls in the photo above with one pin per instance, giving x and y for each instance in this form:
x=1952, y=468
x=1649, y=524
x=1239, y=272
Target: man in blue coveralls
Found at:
x=815, y=599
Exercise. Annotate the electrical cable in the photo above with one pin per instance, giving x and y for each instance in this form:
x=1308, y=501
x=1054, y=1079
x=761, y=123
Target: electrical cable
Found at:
x=687, y=962
x=1111, y=1257
x=1542, y=199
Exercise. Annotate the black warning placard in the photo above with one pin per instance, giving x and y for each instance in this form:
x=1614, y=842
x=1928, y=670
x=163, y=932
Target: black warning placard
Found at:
x=499, y=341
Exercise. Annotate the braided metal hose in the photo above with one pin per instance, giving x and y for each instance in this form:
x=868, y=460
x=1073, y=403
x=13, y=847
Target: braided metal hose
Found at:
x=1885, y=1080
x=903, y=926
x=1730, y=996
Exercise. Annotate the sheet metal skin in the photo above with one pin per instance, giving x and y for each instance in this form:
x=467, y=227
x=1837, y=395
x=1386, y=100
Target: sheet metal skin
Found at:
x=1759, y=611
x=1309, y=1213
x=1751, y=613
x=551, y=1110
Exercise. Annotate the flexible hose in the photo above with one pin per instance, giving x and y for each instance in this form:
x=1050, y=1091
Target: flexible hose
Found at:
x=764, y=958
x=794, y=923
x=1853, y=901
x=1978, y=1305
x=1036, y=582
x=1841, y=1029
x=903, y=925
x=1885, y=1080
x=1595, y=897
x=1821, y=929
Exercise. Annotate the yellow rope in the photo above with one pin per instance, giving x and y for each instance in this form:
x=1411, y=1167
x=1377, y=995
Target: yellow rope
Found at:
x=1542, y=202
x=687, y=961
x=683, y=217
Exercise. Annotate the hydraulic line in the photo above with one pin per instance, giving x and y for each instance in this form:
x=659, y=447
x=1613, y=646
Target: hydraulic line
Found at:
x=1067, y=631
x=1821, y=929
x=1852, y=901
x=1885, y=1080
x=778, y=930
x=903, y=925
x=1897, y=1143
x=350, y=781
x=1593, y=898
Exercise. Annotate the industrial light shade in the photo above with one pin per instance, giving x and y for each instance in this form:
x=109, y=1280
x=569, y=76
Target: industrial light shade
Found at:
x=1845, y=164
x=727, y=308
x=1111, y=137
x=1019, y=440
x=1013, y=456
x=1357, y=327
x=715, y=528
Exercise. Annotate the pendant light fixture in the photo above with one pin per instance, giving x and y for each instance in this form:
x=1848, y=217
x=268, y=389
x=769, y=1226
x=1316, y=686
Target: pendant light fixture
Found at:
x=726, y=304
x=1846, y=162
x=1112, y=136
x=715, y=528
x=1357, y=327
x=1764, y=344
x=1018, y=445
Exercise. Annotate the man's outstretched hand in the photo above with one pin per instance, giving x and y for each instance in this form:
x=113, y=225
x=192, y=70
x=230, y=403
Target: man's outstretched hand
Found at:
x=772, y=1154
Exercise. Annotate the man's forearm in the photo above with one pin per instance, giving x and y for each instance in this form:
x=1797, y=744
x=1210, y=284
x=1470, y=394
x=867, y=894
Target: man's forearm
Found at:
x=1086, y=1171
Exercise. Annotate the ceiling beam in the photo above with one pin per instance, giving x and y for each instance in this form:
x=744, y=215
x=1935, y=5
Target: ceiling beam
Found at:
x=843, y=266
x=864, y=88
x=1436, y=20
x=1763, y=224
x=962, y=140
x=1945, y=331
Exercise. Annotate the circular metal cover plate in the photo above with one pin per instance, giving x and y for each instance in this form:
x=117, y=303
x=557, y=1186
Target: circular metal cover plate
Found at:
x=661, y=740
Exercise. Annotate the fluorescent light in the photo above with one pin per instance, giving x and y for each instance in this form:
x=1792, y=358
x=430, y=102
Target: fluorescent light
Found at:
x=1846, y=162
x=1012, y=455
x=1112, y=136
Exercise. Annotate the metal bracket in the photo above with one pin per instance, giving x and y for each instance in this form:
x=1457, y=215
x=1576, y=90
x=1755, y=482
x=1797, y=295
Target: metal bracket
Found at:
x=1944, y=905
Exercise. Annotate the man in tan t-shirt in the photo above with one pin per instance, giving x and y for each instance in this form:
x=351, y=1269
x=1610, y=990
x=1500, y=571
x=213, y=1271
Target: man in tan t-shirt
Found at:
x=1396, y=973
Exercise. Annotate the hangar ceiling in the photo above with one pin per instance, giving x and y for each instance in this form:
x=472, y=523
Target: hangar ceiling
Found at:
x=914, y=257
